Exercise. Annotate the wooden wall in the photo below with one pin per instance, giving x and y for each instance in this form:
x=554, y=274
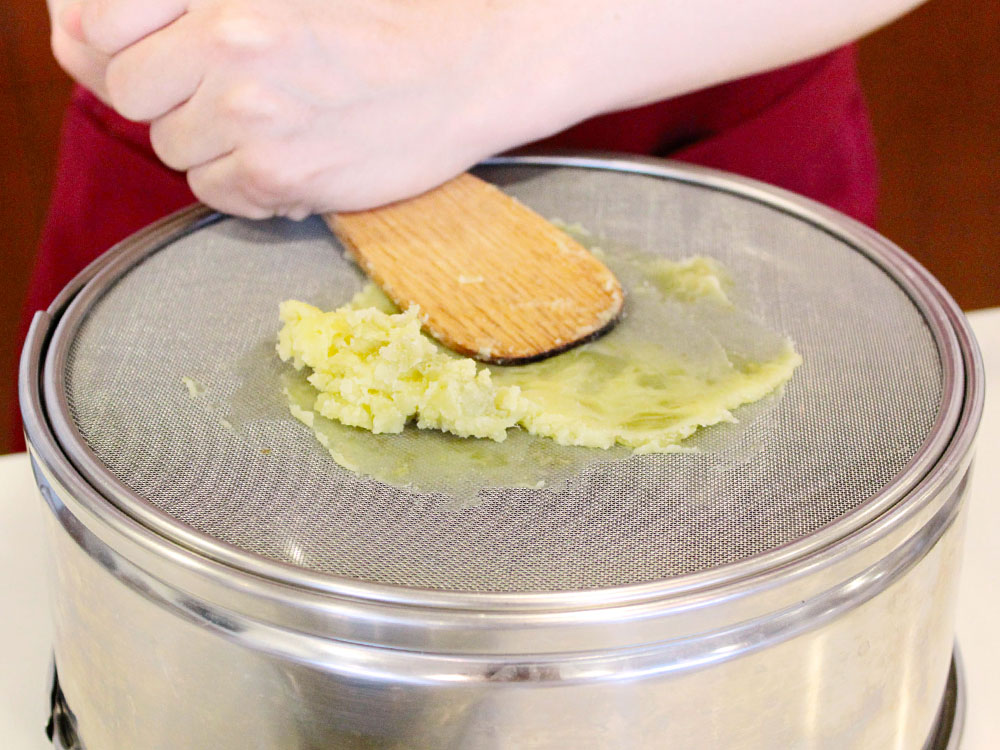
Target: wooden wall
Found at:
x=932, y=80
x=33, y=93
x=933, y=85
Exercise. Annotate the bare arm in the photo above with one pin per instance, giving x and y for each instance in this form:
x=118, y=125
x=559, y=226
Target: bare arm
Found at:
x=624, y=54
x=297, y=106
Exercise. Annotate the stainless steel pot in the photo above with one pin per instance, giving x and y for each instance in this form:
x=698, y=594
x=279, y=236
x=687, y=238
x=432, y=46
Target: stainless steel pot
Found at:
x=816, y=613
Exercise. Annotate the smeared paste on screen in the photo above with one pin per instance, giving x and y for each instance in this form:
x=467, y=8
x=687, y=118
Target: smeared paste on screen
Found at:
x=682, y=358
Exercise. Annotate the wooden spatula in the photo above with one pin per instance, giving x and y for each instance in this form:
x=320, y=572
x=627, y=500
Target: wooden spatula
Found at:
x=493, y=279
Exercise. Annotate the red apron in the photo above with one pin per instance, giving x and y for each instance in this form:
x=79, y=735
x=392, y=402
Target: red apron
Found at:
x=803, y=127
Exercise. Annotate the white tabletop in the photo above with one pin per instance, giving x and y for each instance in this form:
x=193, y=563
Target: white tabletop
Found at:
x=25, y=633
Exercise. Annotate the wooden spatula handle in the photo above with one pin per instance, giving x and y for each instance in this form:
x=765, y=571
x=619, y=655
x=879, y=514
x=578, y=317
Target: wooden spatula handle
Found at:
x=493, y=279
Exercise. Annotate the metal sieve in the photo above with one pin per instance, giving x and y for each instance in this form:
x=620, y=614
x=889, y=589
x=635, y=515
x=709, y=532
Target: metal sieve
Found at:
x=234, y=465
x=219, y=581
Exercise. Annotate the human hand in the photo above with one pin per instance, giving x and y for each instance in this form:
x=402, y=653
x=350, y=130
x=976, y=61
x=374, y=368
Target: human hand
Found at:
x=298, y=106
x=292, y=107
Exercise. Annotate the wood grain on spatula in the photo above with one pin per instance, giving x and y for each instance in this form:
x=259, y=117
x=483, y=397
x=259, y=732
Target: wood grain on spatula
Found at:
x=493, y=279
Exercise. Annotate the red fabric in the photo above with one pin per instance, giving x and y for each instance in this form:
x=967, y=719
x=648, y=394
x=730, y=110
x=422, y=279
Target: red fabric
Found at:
x=803, y=127
x=108, y=185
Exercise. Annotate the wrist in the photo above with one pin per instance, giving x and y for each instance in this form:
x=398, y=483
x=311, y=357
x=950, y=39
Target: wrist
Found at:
x=556, y=63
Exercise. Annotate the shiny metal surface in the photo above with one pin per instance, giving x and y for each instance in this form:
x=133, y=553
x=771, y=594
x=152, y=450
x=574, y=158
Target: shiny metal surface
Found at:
x=842, y=639
x=946, y=734
x=178, y=672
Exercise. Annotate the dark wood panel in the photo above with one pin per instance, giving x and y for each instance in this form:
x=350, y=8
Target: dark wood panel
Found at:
x=29, y=119
x=933, y=84
x=24, y=40
x=33, y=95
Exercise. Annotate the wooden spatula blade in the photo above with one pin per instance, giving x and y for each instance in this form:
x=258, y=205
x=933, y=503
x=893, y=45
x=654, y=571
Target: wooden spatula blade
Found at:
x=493, y=279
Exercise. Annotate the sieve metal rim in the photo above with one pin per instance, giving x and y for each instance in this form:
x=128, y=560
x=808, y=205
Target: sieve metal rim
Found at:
x=916, y=282
x=834, y=580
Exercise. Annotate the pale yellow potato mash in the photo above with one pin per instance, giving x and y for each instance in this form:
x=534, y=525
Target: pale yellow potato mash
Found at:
x=683, y=358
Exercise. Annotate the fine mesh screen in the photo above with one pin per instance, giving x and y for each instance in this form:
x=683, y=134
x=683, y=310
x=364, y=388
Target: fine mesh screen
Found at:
x=222, y=454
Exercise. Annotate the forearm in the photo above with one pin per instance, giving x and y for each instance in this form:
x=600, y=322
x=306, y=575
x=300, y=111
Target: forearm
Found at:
x=605, y=55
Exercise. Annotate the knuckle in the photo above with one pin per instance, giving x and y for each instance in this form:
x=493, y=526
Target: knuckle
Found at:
x=101, y=27
x=221, y=197
x=199, y=186
x=239, y=31
x=121, y=93
x=250, y=102
x=266, y=181
x=164, y=143
x=115, y=79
